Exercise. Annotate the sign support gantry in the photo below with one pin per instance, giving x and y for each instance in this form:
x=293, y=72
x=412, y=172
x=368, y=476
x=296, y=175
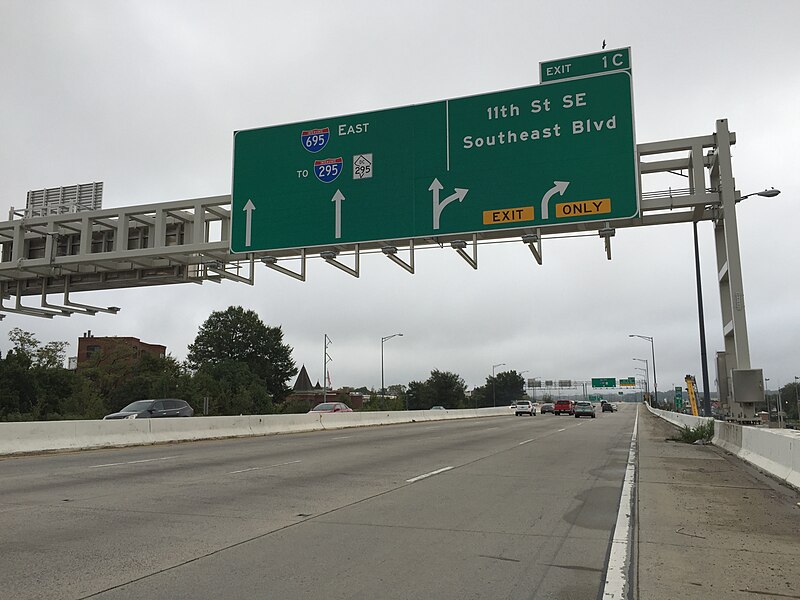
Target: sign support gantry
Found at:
x=188, y=242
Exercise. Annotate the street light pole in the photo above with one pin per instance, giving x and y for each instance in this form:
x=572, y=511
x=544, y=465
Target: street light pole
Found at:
x=647, y=376
x=653, y=349
x=701, y=320
x=494, y=384
x=383, y=340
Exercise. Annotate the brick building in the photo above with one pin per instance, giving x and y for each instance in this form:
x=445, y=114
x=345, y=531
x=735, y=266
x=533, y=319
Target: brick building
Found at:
x=90, y=346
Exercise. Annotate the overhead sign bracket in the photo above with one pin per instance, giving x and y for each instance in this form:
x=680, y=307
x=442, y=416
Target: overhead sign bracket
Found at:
x=391, y=253
x=607, y=233
x=91, y=310
x=534, y=242
x=460, y=245
x=218, y=267
x=272, y=263
x=330, y=257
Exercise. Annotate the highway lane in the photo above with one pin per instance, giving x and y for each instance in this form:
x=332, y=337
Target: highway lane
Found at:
x=502, y=507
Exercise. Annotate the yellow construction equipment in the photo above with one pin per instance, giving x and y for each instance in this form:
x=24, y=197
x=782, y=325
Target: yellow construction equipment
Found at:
x=691, y=385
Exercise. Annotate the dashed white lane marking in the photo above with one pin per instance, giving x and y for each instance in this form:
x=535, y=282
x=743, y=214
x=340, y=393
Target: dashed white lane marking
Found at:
x=291, y=462
x=132, y=462
x=343, y=437
x=431, y=474
x=616, y=585
x=563, y=429
x=526, y=442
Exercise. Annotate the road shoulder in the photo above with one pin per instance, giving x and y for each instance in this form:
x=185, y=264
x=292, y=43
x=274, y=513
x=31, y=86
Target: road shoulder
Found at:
x=710, y=526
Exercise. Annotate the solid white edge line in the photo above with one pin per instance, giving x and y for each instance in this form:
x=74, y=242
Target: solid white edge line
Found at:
x=431, y=474
x=619, y=558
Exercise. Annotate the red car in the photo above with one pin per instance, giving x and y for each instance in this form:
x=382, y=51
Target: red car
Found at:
x=564, y=406
x=331, y=407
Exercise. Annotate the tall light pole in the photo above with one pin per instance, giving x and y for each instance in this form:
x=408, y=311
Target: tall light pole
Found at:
x=653, y=350
x=766, y=397
x=646, y=376
x=524, y=383
x=383, y=340
x=494, y=384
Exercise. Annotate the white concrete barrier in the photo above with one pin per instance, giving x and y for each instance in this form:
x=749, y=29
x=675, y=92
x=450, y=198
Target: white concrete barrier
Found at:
x=774, y=451
x=42, y=436
x=679, y=419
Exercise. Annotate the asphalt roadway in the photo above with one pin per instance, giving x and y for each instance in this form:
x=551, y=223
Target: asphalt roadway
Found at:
x=497, y=507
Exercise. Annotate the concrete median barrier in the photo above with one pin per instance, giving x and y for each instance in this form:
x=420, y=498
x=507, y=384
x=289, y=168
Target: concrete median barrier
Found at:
x=45, y=436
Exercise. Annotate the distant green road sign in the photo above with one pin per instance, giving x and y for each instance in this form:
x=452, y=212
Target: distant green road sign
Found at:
x=528, y=157
x=604, y=382
x=627, y=382
x=587, y=64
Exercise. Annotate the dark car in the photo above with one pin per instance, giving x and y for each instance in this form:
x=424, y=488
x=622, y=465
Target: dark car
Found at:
x=547, y=407
x=331, y=407
x=151, y=409
x=607, y=406
x=584, y=408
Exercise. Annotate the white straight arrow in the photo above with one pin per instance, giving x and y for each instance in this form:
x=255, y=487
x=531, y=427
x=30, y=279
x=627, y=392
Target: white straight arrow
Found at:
x=559, y=188
x=337, y=198
x=248, y=227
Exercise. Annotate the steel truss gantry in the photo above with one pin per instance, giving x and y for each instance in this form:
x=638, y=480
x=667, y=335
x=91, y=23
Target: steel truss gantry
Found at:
x=188, y=242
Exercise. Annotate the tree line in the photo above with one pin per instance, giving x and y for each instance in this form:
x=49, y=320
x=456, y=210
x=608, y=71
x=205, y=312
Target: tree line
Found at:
x=236, y=364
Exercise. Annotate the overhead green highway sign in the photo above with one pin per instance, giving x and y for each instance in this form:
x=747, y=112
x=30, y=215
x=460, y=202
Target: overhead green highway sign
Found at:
x=528, y=157
x=604, y=382
x=627, y=382
x=587, y=64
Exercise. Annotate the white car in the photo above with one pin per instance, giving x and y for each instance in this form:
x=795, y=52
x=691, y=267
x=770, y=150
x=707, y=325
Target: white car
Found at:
x=525, y=407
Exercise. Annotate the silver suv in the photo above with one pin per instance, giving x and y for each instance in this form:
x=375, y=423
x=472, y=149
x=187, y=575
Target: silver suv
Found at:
x=525, y=407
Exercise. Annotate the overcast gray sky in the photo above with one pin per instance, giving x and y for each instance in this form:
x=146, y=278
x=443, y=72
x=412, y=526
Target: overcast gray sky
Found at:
x=145, y=96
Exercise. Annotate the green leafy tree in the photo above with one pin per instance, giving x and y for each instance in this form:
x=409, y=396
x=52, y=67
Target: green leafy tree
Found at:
x=445, y=389
x=481, y=398
x=239, y=335
x=789, y=395
x=33, y=382
x=416, y=395
x=232, y=389
x=504, y=389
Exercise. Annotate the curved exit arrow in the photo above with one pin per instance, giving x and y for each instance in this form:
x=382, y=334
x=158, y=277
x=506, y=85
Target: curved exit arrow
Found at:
x=559, y=188
x=439, y=205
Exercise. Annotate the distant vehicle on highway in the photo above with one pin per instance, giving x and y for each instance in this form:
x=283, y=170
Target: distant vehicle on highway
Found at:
x=438, y=408
x=331, y=407
x=563, y=406
x=525, y=407
x=607, y=406
x=584, y=408
x=547, y=407
x=513, y=406
x=152, y=409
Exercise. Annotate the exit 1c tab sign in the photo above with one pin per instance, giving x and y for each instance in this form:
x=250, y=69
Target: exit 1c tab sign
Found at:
x=587, y=64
